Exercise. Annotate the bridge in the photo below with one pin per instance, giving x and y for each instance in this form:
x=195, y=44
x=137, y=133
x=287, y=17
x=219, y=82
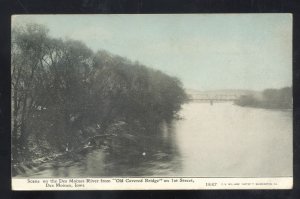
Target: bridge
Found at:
x=213, y=98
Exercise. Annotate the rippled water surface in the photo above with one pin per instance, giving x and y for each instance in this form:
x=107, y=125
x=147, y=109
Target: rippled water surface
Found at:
x=209, y=141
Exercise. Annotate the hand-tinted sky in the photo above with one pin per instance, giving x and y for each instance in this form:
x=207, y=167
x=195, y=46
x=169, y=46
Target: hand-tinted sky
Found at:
x=206, y=51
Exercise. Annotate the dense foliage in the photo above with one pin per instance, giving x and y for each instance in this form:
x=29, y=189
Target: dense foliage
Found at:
x=63, y=93
x=271, y=98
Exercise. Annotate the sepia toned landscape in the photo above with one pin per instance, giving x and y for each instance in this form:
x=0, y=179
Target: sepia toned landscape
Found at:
x=163, y=95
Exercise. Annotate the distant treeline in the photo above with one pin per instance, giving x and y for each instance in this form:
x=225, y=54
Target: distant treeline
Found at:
x=271, y=99
x=62, y=91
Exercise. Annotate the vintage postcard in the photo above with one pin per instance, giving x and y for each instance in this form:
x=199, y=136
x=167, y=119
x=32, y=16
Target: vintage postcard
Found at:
x=151, y=101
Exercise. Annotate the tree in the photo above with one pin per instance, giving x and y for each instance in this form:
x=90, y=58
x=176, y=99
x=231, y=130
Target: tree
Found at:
x=61, y=90
x=28, y=51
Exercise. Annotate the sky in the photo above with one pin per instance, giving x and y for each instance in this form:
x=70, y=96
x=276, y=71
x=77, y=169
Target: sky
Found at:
x=205, y=51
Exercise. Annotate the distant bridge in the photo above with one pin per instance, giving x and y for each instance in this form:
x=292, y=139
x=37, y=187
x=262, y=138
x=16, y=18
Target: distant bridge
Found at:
x=213, y=98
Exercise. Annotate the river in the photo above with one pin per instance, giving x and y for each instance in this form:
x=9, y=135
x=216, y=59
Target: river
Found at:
x=219, y=140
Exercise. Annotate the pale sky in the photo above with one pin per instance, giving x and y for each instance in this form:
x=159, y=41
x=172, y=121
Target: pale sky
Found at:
x=205, y=51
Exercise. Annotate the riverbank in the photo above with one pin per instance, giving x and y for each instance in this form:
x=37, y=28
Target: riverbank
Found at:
x=118, y=140
x=265, y=105
x=20, y=168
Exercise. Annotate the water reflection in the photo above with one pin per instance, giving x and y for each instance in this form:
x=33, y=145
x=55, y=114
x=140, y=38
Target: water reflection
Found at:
x=153, y=153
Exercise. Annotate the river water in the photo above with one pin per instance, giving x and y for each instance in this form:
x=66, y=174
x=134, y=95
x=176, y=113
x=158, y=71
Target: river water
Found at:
x=219, y=140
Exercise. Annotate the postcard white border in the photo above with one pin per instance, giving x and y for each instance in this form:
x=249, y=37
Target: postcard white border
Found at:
x=151, y=183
